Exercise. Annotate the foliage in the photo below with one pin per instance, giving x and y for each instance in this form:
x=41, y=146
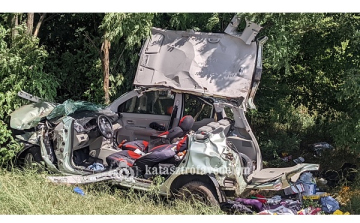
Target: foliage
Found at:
x=21, y=68
x=126, y=32
x=309, y=63
x=346, y=128
x=8, y=146
x=309, y=90
x=73, y=59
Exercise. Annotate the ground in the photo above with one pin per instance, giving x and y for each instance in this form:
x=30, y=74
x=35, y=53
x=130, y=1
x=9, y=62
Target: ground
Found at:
x=29, y=193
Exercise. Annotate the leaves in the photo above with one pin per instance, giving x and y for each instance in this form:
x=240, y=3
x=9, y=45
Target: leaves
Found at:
x=309, y=90
x=21, y=68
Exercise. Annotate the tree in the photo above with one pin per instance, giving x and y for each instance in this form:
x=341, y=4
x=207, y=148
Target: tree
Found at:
x=131, y=28
x=30, y=23
x=14, y=24
x=40, y=22
x=308, y=61
x=21, y=68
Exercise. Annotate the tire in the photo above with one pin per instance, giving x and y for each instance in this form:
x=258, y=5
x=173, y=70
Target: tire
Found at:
x=31, y=159
x=198, y=191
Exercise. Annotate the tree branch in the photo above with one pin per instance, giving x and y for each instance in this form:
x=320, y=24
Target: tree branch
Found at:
x=50, y=17
x=94, y=45
x=37, y=29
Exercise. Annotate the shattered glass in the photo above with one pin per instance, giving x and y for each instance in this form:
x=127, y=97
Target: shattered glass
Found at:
x=70, y=107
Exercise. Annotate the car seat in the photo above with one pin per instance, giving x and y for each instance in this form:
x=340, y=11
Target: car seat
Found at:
x=185, y=125
x=132, y=151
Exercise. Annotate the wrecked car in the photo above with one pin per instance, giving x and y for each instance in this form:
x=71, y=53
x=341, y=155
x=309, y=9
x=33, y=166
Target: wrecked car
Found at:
x=184, y=121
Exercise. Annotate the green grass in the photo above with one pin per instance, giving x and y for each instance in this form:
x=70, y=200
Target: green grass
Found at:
x=29, y=193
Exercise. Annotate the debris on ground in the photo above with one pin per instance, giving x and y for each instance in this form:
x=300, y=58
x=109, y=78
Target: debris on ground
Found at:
x=309, y=211
x=299, y=160
x=319, y=147
x=286, y=157
x=235, y=207
x=96, y=167
x=78, y=190
x=309, y=183
x=302, y=198
x=338, y=212
x=329, y=205
x=347, y=172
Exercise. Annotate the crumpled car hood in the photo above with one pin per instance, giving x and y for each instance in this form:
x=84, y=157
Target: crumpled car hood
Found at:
x=213, y=64
x=28, y=116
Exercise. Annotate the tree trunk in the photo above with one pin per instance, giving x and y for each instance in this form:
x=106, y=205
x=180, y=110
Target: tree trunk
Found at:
x=14, y=24
x=30, y=23
x=42, y=17
x=105, y=47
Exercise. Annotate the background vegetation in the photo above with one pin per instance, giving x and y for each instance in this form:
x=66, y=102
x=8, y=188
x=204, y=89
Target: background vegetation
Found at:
x=309, y=92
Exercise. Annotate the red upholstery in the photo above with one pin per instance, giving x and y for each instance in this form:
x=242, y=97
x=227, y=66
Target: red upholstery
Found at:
x=185, y=125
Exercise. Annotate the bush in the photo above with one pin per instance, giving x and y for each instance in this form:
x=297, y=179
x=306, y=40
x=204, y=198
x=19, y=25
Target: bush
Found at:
x=8, y=146
x=21, y=63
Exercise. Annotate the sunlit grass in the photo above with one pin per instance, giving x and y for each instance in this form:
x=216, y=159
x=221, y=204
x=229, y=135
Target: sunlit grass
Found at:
x=29, y=193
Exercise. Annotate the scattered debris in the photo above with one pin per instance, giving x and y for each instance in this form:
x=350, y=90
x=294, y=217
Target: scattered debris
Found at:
x=309, y=211
x=338, y=212
x=281, y=210
x=96, y=167
x=294, y=189
x=347, y=172
x=78, y=190
x=260, y=198
x=274, y=200
x=321, y=202
x=316, y=196
x=286, y=157
x=235, y=207
x=329, y=205
x=253, y=203
x=299, y=160
x=309, y=183
x=321, y=182
x=320, y=147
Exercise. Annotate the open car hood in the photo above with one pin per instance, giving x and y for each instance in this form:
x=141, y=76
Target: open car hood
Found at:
x=213, y=64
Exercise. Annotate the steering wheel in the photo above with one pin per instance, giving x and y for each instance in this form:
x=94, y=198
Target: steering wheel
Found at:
x=105, y=126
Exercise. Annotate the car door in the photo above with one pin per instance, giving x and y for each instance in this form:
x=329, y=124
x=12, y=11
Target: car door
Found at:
x=139, y=113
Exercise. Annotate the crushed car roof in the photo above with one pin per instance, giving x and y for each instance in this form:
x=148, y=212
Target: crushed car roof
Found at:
x=214, y=64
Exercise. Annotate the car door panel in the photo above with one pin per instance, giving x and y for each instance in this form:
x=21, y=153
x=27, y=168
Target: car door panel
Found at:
x=137, y=126
x=137, y=113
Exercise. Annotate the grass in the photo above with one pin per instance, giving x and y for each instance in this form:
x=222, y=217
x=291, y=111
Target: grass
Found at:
x=29, y=193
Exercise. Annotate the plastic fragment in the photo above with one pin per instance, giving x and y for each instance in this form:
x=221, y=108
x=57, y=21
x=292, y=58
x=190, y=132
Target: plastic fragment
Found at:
x=338, y=212
x=299, y=160
x=79, y=191
x=329, y=205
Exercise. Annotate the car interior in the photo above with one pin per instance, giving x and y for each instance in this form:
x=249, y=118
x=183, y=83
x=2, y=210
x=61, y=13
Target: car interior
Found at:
x=96, y=137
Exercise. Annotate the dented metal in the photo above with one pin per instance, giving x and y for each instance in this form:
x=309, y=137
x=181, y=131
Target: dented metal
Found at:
x=223, y=68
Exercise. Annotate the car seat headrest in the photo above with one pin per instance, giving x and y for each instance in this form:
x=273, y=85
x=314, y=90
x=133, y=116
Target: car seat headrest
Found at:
x=186, y=123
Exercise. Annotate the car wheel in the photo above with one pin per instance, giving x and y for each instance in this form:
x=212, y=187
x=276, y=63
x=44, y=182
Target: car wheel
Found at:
x=198, y=191
x=31, y=159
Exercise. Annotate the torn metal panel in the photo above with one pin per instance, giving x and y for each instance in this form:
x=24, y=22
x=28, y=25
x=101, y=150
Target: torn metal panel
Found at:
x=28, y=116
x=28, y=96
x=249, y=33
x=213, y=64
